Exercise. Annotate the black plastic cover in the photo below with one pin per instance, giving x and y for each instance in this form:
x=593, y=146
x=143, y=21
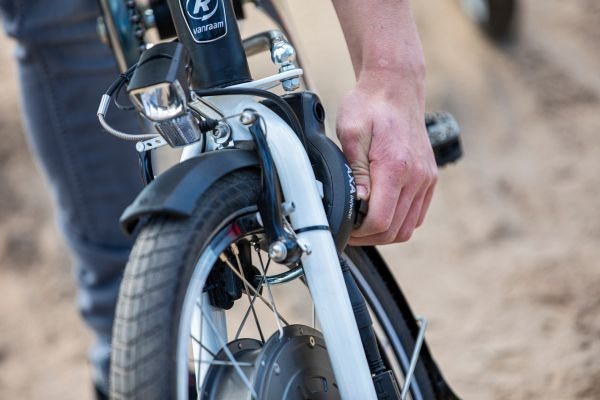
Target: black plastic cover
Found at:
x=164, y=62
x=329, y=164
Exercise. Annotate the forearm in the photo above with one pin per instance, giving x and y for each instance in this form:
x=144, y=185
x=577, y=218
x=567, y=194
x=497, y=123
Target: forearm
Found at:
x=382, y=39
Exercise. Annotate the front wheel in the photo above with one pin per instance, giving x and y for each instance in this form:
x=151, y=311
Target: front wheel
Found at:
x=204, y=313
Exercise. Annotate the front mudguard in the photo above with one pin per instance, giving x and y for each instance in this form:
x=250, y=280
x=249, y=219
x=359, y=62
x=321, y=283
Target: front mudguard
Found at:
x=176, y=192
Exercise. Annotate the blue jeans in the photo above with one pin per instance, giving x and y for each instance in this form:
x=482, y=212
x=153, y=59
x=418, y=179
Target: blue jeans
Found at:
x=63, y=69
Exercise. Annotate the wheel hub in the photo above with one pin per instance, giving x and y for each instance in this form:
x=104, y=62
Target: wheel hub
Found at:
x=293, y=367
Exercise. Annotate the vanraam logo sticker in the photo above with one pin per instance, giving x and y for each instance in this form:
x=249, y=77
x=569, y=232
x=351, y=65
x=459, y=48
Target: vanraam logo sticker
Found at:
x=205, y=19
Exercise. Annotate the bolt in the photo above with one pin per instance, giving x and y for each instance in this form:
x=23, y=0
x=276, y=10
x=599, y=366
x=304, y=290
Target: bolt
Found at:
x=276, y=369
x=283, y=52
x=291, y=84
x=311, y=342
x=248, y=117
x=221, y=133
x=277, y=251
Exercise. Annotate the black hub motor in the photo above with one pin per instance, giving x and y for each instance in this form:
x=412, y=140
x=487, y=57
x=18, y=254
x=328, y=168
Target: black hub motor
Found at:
x=293, y=367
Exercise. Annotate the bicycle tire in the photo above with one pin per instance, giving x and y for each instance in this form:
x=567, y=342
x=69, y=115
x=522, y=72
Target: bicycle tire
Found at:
x=157, y=278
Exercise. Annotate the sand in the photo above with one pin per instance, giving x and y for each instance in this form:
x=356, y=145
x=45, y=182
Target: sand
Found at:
x=506, y=266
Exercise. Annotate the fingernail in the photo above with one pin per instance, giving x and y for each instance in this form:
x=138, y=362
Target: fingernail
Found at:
x=361, y=192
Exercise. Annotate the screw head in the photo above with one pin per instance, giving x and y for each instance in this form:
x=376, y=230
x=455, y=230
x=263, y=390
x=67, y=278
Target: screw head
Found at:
x=276, y=369
x=221, y=133
x=311, y=342
x=277, y=251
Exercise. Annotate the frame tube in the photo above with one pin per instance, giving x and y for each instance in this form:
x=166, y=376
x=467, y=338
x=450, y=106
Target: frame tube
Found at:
x=215, y=62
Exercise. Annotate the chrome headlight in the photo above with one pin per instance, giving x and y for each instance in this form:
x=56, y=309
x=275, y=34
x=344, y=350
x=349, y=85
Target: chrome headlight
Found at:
x=160, y=102
x=157, y=92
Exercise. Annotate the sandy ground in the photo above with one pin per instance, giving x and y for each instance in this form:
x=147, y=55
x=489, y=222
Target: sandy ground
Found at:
x=506, y=267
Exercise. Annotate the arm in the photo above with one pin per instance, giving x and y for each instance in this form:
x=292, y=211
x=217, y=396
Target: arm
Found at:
x=381, y=121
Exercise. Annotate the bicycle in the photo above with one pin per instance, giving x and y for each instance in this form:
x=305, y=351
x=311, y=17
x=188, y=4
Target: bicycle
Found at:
x=261, y=200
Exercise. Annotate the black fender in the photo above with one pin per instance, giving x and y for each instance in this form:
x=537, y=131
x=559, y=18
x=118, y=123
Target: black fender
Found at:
x=177, y=191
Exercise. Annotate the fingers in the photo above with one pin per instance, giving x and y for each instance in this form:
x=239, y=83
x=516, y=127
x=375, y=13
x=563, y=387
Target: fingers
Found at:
x=388, y=235
x=408, y=211
x=387, y=183
x=409, y=224
x=403, y=223
x=426, y=203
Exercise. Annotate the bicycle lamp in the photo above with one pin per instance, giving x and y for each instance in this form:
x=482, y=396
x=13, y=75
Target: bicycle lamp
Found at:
x=157, y=92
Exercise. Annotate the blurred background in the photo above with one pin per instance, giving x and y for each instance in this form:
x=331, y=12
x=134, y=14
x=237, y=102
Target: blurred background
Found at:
x=506, y=267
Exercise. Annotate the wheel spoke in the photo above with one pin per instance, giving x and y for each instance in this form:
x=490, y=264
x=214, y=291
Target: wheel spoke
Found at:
x=252, y=289
x=274, y=309
x=239, y=330
x=236, y=253
x=223, y=363
x=234, y=363
x=195, y=339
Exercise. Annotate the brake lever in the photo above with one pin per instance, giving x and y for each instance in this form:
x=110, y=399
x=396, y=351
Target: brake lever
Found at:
x=362, y=208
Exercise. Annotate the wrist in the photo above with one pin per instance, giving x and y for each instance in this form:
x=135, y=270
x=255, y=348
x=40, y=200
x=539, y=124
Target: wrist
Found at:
x=389, y=66
x=393, y=82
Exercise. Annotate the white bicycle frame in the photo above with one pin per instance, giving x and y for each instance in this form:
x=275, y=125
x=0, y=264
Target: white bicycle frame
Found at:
x=321, y=266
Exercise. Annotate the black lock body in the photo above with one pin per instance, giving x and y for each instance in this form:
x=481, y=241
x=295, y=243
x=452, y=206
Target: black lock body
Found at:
x=329, y=165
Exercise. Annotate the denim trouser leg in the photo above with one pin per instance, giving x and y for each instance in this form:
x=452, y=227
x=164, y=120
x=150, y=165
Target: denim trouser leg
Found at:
x=63, y=69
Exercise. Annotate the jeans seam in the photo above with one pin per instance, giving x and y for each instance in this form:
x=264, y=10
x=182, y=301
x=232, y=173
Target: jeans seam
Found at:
x=65, y=146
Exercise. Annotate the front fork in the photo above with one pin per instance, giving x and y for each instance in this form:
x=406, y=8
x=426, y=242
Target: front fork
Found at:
x=320, y=259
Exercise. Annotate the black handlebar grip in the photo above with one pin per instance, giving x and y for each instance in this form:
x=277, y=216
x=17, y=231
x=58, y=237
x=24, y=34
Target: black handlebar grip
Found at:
x=444, y=135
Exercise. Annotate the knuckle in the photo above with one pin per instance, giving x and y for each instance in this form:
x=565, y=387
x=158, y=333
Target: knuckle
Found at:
x=421, y=173
x=400, y=163
x=425, y=173
x=360, y=168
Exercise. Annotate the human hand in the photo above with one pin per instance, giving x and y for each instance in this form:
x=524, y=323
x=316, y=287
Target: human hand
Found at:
x=381, y=128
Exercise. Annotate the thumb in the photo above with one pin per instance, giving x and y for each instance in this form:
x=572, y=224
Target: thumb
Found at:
x=360, y=169
x=356, y=149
